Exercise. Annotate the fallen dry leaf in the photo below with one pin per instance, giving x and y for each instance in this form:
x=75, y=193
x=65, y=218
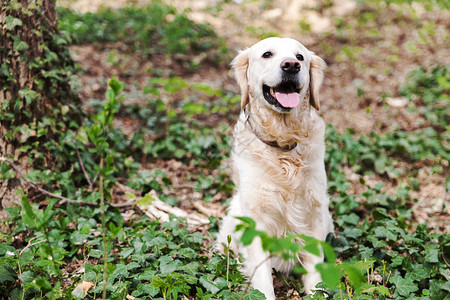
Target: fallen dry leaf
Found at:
x=82, y=289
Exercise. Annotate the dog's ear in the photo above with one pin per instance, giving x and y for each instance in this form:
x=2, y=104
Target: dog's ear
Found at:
x=240, y=66
x=316, y=78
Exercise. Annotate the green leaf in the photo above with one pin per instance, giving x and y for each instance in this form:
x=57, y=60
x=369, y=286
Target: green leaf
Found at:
x=120, y=270
x=432, y=254
x=352, y=219
x=126, y=252
x=437, y=291
x=194, y=109
x=146, y=200
x=174, y=85
x=419, y=272
x=313, y=248
x=208, y=284
x=7, y=274
x=383, y=290
x=158, y=241
x=168, y=265
x=254, y=295
x=116, y=85
x=158, y=282
x=191, y=268
x=19, y=45
x=328, y=252
x=404, y=287
x=364, y=265
x=384, y=232
x=330, y=273
x=248, y=236
x=353, y=274
x=248, y=221
x=28, y=215
x=12, y=22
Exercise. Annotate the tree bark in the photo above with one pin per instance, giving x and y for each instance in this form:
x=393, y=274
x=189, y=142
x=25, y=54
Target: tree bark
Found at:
x=35, y=72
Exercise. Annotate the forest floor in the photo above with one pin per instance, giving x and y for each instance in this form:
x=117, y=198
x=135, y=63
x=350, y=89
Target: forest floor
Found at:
x=385, y=99
x=368, y=59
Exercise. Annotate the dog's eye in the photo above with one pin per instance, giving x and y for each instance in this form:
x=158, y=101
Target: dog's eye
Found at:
x=300, y=57
x=267, y=54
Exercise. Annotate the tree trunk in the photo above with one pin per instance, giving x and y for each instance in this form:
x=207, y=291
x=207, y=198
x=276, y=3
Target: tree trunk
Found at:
x=36, y=100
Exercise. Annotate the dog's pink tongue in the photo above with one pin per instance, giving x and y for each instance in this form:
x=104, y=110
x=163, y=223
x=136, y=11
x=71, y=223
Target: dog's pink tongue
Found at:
x=290, y=100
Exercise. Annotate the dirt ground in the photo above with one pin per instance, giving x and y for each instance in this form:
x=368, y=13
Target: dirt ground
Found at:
x=366, y=65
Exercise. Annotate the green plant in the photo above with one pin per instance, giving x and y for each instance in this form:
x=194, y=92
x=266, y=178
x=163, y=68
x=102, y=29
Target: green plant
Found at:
x=429, y=94
x=290, y=246
x=155, y=28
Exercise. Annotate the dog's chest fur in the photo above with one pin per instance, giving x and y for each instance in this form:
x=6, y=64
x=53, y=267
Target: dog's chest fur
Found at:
x=282, y=179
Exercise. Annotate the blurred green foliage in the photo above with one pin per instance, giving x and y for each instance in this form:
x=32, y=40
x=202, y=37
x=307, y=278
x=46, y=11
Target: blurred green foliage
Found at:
x=155, y=28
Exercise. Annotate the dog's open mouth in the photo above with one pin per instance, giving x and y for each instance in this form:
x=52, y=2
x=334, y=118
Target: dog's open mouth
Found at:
x=285, y=95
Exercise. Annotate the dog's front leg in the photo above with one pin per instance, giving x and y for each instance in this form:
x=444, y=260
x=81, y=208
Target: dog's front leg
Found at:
x=258, y=267
x=309, y=262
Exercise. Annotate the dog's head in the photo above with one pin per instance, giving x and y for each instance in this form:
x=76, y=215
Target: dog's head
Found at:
x=279, y=71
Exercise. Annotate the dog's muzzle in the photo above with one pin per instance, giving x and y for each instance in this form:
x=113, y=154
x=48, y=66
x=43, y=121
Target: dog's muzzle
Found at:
x=285, y=95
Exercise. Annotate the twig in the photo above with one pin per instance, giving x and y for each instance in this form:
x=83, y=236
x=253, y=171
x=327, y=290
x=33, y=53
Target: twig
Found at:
x=32, y=184
x=443, y=258
x=253, y=274
x=91, y=186
x=389, y=276
x=18, y=261
x=62, y=198
x=158, y=209
x=206, y=210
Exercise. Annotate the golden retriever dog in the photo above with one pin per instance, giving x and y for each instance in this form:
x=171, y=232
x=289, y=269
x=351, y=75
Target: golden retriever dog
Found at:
x=278, y=156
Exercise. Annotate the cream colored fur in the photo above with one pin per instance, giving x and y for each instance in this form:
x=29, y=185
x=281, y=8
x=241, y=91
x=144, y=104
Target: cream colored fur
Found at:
x=283, y=191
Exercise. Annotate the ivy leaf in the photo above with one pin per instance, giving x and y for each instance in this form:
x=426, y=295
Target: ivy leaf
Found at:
x=254, y=295
x=420, y=272
x=383, y=232
x=120, y=270
x=12, y=22
x=403, y=286
x=209, y=285
x=436, y=291
x=158, y=241
x=126, y=252
x=352, y=219
x=432, y=254
x=168, y=265
x=19, y=45
x=191, y=268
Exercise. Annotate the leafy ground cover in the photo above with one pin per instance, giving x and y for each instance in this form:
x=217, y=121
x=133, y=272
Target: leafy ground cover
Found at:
x=168, y=131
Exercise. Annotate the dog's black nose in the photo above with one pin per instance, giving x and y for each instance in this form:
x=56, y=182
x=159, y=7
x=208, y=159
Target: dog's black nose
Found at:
x=290, y=65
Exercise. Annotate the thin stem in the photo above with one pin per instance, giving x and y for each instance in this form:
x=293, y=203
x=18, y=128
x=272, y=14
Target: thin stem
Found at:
x=18, y=261
x=228, y=264
x=105, y=250
x=91, y=186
